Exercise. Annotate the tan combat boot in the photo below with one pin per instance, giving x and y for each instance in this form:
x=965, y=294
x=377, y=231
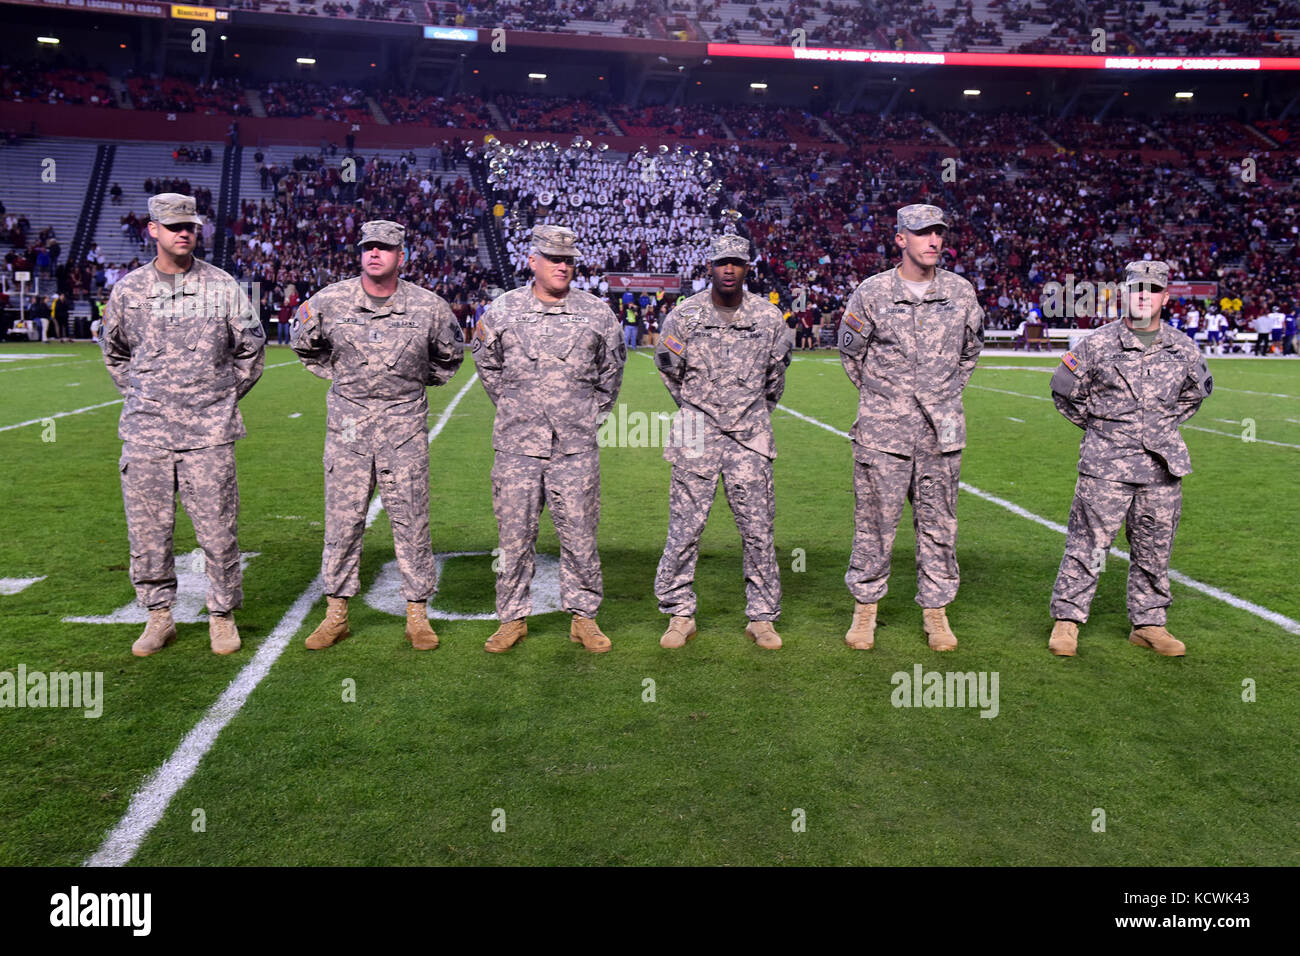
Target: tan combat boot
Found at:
x=157, y=634
x=1064, y=641
x=1158, y=639
x=861, y=635
x=333, y=629
x=680, y=630
x=586, y=632
x=506, y=636
x=938, y=634
x=222, y=633
x=418, y=630
x=763, y=634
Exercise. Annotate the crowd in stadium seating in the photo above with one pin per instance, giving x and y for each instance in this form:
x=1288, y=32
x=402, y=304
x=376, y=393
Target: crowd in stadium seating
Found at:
x=649, y=212
x=220, y=95
x=38, y=84
x=552, y=114
x=304, y=234
x=459, y=111
x=686, y=122
x=555, y=15
x=989, y=130
x=306, y=98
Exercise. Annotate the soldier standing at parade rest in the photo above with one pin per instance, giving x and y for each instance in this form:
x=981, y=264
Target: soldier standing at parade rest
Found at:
x=381, y=340
x=1128, y=385
x=551, y=360
x=909, y=342
x=183, y=345
x=723, y=357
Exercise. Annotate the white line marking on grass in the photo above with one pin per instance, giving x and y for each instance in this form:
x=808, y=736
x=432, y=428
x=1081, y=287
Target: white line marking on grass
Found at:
x=279, y=365
x=986, y=388
x=1237, y=435
x=1286, y=623
x=18, y=585
x=75, y=411
x=1226, y=421
x=29, y=368
x=1247, y=391
x=1012, y=418
x=149, y=803
x=295, y=414
x=1014, y=368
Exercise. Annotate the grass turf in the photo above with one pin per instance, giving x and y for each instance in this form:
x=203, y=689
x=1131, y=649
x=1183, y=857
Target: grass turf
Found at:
x=582, y=768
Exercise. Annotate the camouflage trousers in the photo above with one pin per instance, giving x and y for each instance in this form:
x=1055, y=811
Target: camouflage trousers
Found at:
x=402, y=476
x=1150, y=514
x=747, y=483
x=881, y=483
x=570, y=486
x=205, y=479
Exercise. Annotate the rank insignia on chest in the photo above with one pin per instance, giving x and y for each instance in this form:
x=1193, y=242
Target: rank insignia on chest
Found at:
x=853, y=322
x=1070, y=361
x=376, y=335
x=673, y=345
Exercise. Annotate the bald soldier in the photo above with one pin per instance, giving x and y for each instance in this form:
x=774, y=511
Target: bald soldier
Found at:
x=381, y=340
x=909, y=342
x=551, y=360
x=183, y=345
x=723, y=357
x=1128, y=385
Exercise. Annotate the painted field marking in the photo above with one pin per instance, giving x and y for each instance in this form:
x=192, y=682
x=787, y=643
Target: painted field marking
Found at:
x=149, y=803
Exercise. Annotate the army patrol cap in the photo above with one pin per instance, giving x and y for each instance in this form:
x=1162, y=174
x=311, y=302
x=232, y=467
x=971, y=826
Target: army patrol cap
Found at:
x=382, y=230
x=729, y=247
x=168, y=209
x=1152, y=272
x=554, y=241
x=919, y=216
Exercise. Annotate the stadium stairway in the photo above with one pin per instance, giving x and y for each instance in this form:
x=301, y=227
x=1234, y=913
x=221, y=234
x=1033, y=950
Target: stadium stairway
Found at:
x=133, y=164
x=254, y=99
x=56, y=203
x=227, y=204
x=96, y=190
x=488, y=228
x=377, y=112
x=120, y=94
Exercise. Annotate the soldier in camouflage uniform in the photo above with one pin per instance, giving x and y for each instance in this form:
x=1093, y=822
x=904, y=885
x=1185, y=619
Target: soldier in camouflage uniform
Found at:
x=183, y=345
x=381, y=340
x=551, y=360
x=1128, y=385
x=723, y=356
x=909, y=342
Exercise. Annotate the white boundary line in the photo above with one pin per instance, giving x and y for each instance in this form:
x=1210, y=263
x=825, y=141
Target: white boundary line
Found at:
x=75, y=411
x=32, y=366
x=90, y=408
x=149, y=803
x=1195, y=428
x=1286, y=623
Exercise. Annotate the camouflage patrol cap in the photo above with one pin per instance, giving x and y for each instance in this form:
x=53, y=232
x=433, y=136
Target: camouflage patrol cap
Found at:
x=554, y=241
x=729, y=246
x=382, y=230
x=920, y=216
x=170, y=208
x=1147, y=272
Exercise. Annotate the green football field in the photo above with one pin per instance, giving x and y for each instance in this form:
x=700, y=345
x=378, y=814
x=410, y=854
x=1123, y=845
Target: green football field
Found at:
x=720, y=753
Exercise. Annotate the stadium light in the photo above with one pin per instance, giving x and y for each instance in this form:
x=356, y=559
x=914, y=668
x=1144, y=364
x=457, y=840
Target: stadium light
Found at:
x=1183, y=95
x=223, y=37
x=306, y=61
x=50, y=41
x=758, y=86
x=970, y=92
x=537, y=76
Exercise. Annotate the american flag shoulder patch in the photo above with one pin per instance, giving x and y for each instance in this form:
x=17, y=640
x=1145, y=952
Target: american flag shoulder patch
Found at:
x=853, y=322
x=673, y=345
x=304, y=313
x=1070, y=361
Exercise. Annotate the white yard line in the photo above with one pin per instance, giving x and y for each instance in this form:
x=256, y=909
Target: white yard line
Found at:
x=75, y=411
x=38, y=366
x=1237, y=435
x=149, y=803
x=1286, y=623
